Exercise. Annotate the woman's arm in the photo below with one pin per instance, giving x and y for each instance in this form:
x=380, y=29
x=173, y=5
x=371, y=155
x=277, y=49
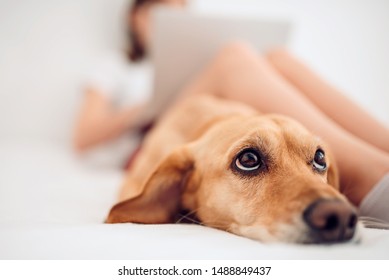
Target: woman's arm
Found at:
x=100, y=122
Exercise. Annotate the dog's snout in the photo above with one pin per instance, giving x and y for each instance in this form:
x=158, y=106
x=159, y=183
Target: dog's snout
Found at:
x=330, y=220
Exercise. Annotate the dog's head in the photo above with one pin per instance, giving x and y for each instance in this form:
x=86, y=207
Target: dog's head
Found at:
x=263, y=177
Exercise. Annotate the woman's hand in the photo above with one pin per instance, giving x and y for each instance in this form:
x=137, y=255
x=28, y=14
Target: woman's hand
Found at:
x=99, y=121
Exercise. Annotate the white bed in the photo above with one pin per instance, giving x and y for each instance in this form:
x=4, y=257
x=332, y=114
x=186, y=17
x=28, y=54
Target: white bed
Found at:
x=53, y=204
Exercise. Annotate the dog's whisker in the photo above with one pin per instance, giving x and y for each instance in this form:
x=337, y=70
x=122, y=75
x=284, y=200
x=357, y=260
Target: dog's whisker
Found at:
x=193, y=220
x=187, y=217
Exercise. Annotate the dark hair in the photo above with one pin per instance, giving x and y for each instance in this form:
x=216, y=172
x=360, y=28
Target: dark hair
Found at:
x=136, y=51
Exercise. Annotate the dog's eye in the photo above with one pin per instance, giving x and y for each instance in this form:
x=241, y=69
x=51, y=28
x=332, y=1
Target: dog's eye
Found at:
x=319, y=161
x=248, y=160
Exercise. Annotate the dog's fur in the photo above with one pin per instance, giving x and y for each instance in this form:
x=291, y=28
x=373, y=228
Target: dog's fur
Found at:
x=187, y=163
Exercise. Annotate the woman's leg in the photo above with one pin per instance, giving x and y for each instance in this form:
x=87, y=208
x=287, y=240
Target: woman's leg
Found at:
x=334, y=104
x=238, y=73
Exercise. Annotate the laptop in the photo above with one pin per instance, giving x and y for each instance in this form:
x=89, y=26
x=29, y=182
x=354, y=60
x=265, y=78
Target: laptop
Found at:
x=183, y=42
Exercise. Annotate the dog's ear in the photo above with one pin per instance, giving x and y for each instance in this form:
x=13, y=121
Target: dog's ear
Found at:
x=160, y=199
x=333, y=173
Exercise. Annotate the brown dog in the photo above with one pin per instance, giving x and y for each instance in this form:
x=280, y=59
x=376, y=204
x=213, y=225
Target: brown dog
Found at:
x=260, y=176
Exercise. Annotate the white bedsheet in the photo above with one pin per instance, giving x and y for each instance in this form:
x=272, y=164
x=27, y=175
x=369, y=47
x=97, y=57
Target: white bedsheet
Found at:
x=52, y=206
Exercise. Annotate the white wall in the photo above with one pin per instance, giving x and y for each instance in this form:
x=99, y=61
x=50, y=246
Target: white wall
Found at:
x=47, y=46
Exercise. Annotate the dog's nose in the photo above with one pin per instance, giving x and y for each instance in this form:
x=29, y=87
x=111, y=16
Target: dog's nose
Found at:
x=331, y=220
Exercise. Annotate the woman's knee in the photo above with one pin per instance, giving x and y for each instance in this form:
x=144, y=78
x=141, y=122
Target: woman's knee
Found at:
x=277, y=52
x=279, y=56
x=237, y=52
